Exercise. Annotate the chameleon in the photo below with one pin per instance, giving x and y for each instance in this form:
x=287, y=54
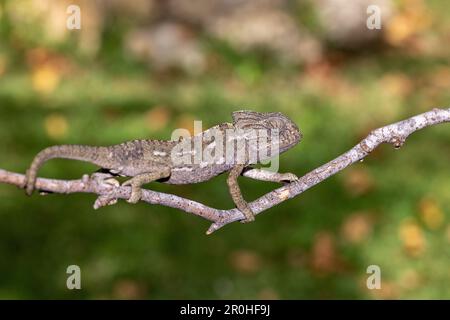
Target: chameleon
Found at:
x=145, y=161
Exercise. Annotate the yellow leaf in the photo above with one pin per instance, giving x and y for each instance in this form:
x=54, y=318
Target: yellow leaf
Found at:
x=399, y=30
x=45, y=79
x=412, y=237
x=431, y=214
x=56, y=126
x=412, y=19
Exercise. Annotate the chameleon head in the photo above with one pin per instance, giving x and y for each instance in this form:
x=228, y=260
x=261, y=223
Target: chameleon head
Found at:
x=288, y=132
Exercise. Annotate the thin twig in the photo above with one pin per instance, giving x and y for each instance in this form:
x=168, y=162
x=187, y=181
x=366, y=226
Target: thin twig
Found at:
x=394, y=134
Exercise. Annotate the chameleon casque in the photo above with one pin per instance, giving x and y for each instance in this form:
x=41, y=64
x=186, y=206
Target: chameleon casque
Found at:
x=146, y=161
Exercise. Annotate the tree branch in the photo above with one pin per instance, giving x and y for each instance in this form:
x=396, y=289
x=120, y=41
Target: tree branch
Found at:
x=394, y=134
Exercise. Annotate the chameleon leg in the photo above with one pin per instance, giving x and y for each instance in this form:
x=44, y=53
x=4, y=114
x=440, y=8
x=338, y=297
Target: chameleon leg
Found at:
x=236, y=193
x=107, y=180
x=144, y=178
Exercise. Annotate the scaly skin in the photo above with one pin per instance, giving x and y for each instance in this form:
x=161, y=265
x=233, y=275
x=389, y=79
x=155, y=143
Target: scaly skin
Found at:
x=157, y=160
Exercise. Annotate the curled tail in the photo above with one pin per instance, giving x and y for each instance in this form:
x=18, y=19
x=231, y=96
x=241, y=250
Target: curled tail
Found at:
x=95, y=155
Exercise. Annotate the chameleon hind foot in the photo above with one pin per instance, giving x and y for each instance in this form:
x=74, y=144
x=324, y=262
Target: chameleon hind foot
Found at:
x=103, y=180
x=248, y=213
x=137, y=181
x=136, y=191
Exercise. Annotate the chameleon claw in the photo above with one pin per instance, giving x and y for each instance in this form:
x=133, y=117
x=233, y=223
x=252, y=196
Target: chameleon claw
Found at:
x=104, y=201
x=288, y=177
x=103, y=178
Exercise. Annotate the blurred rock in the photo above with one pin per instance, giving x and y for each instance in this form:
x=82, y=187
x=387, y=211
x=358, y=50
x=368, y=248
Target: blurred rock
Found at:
x=345, y=22
x=259, y=27
x=167, y=45
x=44, y=21
x=248, y=25
x=139, y=10
x=205, y=11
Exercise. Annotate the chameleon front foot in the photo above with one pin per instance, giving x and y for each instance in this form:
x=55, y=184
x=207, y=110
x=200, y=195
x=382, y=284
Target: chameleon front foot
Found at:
x=244, y=208
x=136, y=192
x=249, y=215
x=136, y=196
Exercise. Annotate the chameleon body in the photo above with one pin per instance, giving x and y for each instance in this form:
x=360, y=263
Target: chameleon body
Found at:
x=146, y=161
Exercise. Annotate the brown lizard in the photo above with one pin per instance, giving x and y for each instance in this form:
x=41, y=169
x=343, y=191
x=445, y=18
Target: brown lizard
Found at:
x=178, y=162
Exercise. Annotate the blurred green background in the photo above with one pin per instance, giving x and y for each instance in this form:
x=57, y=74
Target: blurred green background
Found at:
x=140, y=69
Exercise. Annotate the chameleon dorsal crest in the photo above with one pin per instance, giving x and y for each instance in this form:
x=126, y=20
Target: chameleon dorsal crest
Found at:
x=245, y=118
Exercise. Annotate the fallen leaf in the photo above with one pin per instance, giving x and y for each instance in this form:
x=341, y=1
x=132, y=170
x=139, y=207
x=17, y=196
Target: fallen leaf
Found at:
x=412, y=238
x=431, y=213
x=357, y=227
x=128, y=289
x=358, y=181
x=268, y=294
x=324, y=259
x=245, y=261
